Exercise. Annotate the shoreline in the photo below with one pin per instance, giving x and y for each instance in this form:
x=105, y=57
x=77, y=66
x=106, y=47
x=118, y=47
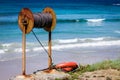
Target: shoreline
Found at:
x=82, y=56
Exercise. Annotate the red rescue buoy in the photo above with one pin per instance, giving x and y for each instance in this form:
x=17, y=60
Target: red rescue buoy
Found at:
x=67, y=66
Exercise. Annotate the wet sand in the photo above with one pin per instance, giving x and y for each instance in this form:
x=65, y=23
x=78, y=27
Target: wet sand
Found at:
x=82, y=56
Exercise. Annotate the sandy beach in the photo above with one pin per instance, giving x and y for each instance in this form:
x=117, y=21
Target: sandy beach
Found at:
x=82, y=56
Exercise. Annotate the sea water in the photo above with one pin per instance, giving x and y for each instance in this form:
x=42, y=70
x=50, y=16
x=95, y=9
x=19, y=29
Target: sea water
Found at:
x=78, y=26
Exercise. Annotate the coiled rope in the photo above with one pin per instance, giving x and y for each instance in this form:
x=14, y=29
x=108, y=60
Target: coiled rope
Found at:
x=42, y=20
x=45, y=19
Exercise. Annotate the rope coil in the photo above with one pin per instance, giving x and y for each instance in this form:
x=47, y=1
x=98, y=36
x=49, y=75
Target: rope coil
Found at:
x=45, y=19
x=42, y=20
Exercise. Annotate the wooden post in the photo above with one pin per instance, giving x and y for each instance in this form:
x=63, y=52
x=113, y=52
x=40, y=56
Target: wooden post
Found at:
x=49, y=51
x=24, y=51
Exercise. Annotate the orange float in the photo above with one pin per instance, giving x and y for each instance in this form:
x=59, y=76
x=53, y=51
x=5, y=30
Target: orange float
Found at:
x=67, y=66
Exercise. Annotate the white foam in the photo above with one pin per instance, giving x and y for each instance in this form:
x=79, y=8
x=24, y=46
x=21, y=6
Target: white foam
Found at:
x=117, y=31
x=6, y=45
x=76, y=40
x=118, y=4
x=39, y=48
x=90, y=44
x=68, y=40
x=77, y=20
x=36, y=49
x=95, y=20
x=64, y=44
x=18, y=50
x=2, y=51
x=93, y=39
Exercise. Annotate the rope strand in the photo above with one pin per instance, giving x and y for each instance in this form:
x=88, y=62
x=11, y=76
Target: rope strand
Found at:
x=41, y=44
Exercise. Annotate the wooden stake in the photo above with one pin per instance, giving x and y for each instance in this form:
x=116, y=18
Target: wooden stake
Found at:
x=24, y=52
x=49, y=52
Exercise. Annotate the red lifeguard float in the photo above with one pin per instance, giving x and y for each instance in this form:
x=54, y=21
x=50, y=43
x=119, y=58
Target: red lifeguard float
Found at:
x=67, y=66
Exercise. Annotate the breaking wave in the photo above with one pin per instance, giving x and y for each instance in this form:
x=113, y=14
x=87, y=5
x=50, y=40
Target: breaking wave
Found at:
x=88, y=20
x=13, y=19
x=86, y=42
x=14, y=49
x=117, y=31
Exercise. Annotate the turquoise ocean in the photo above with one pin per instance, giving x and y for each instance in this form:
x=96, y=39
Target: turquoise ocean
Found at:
x=79, y=26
